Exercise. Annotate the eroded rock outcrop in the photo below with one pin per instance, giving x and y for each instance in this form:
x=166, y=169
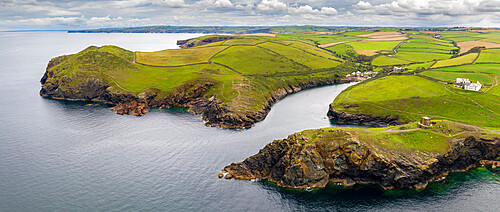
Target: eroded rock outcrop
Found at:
x=362, y=119
x=313, y=159
x=95, y=74
x=190, y=95
x=200, y=42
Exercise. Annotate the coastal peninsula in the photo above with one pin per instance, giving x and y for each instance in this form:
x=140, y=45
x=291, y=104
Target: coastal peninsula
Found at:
x=232, y=81
x=399, y=157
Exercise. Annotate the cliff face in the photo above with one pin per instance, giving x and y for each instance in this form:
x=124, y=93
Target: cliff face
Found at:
x=362, y=119
x=200, y=42
x=339, y=156
x=191, y=95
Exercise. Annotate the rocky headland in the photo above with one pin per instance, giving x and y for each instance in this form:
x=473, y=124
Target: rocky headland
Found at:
x=191, y=95
x=396, y=158
x=343, y=117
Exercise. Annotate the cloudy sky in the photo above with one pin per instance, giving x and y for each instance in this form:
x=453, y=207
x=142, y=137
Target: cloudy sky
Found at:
x=66, y=14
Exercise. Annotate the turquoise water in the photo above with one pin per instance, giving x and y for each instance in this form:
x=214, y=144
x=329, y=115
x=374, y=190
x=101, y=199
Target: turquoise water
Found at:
x=66, y=156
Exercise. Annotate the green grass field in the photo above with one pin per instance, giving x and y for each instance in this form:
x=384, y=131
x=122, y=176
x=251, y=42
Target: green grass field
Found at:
x=422, y=66
x=361, y=46
x=489, y=56
x=479, y=68
x=421, y=56
x=244, y=71
x=389, y=61
x=322, y=39
x=343, y=51
x=452, y=76
x=177, y=57
x=255, y=60
x=465, y=59
x=300, y=56
x=411, y=97
x=243, y=41
x=439, y=51
x=426, y=45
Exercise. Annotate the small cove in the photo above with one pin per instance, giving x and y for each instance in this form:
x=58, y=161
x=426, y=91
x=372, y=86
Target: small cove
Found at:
x=66, y=156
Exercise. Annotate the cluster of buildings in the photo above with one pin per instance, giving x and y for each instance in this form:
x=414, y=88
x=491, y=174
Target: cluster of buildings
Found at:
x=366, y=74
x=468, y=85
x=436, y=36
x=396, y=70
x=324, y=33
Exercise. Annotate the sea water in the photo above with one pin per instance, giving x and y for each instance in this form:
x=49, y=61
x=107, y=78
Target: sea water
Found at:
x=69, y=156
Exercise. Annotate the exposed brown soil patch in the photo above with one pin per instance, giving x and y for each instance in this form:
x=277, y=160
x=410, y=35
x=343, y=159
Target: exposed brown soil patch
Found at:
x=367, y=52
x=384, y=36
x=467, y=45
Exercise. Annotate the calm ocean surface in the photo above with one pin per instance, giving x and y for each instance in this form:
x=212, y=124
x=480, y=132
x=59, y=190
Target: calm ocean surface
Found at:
x=65, y=156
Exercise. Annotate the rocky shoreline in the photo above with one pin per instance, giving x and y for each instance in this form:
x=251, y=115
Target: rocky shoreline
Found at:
x=295, y=163
x=213, y=111
x=197, y=42
x=362, y=119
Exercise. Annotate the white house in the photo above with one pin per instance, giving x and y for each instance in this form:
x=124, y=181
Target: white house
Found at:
x=473, y=86
x=463, y=80
x=398, y=69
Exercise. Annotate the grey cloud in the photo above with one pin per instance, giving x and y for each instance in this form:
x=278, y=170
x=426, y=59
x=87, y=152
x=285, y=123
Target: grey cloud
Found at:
x=56, y=14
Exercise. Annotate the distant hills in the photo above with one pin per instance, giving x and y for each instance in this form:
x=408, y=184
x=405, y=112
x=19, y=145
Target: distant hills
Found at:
x=219, y=29
x=253, y=29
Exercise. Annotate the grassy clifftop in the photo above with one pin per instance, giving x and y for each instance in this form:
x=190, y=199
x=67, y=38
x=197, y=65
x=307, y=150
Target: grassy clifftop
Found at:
x=392, y=157
x=409, y=97
x=243, y=76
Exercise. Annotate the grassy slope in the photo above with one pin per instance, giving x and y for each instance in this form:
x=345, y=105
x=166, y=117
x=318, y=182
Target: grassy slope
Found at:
x=452, y=76
x=465, y=59
x=419, y=65
x=410, y=97
x=178, y=57
x=482, y=68
x=321, y=39
x=361, y=46
x=388, y=61
x=407, y=140
x=489, y=56
x=245, y=73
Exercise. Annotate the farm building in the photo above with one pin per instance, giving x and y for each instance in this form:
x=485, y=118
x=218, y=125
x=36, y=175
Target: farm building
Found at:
x=467, y=85
x=473, y=86
x=370, y=74
x=398, y=69
x=462, y=80
x=425, y=122
x=355, y=74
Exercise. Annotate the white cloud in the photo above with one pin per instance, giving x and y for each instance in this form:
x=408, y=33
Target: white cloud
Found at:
x=62, y=13
x=429, y=7
x=272, y=6
x=328, y=11
x=174, y=3
x=66, y=14
x=223, y=4
x=77, y=21
x=308, y=10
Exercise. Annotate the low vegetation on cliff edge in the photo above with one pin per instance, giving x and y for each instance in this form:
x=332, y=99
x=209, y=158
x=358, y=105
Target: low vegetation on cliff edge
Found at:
x=242, y=74
x=409, y=97
x=398, y=157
